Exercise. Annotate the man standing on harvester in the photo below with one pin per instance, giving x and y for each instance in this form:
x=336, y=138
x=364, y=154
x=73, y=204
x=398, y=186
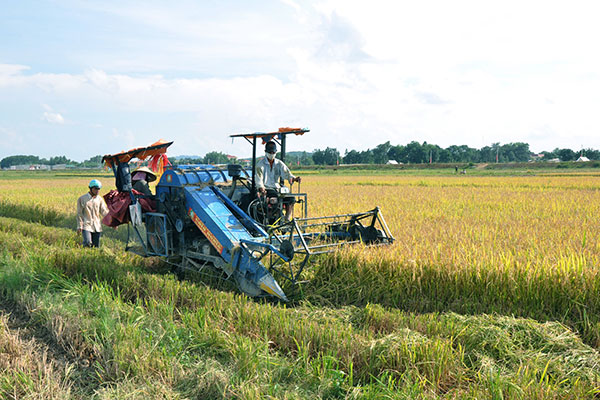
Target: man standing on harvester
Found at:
x=269, y=171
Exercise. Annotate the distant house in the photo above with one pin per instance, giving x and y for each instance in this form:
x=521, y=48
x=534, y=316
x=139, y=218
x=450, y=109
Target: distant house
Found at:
x=537, y=157
x=582, y=159
x=554, y=160
x=39, y=167
x=21, y=167
x=392, y=162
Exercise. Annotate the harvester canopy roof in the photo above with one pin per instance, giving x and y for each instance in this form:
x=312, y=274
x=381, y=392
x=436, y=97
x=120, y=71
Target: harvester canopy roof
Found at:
x=140, y=153
x=268, y=136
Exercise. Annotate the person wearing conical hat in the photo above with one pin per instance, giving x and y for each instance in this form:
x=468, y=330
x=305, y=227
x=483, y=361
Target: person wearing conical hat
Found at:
x=140, y=178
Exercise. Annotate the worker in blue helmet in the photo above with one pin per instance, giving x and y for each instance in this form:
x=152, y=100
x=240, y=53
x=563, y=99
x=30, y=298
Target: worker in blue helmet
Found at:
x=269, y=171
x=91, y=208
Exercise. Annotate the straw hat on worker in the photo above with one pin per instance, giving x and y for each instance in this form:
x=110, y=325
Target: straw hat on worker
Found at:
x=143, y=173
x=140, y=178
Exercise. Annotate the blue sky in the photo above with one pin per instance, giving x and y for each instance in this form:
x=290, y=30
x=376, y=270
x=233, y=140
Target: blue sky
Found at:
x=80, y=78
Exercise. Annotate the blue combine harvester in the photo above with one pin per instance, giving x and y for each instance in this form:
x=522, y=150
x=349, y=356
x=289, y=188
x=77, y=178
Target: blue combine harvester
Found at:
x=210, y=217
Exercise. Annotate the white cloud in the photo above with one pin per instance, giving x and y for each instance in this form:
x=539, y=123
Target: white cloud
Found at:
x=54, y=118
x=12, y=69
x=357, y=74
x=51, y=116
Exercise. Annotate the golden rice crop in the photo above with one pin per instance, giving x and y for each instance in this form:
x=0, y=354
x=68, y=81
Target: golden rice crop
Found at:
x=466, y=221
x=478, y=246
x=489, y=222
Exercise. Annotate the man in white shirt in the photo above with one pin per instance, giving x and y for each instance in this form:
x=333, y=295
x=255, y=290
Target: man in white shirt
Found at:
x=91, y=208
x=269, y=170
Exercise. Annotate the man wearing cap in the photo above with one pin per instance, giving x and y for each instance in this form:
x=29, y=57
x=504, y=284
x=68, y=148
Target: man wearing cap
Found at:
x=91, y=208
x=140, y=178
x=269, y=171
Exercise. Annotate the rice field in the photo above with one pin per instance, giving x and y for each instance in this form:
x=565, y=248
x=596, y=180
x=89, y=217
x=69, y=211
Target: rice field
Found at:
x=491, y=291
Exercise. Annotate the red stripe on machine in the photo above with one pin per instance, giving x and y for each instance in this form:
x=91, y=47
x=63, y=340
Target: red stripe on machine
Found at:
x=209, y=235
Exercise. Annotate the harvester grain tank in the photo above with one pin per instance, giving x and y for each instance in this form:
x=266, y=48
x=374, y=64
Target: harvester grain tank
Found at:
x=210, y=217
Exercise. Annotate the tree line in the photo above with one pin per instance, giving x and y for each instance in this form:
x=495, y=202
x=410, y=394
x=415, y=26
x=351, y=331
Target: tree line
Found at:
x=413, y=153
x=420, y=153
x=213, y=157
x=10, y=161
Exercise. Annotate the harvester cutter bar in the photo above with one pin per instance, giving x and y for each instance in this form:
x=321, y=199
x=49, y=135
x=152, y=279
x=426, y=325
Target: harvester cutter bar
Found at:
x=340, y=229
x=332, y=232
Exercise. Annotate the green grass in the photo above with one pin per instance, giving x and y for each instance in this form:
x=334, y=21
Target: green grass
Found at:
x=146, y=334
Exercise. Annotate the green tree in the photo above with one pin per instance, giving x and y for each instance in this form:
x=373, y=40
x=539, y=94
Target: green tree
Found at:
x=566, y=154
x=444, y=156
x=306, y=159
x=380, y=153
x=515, y=152
x=332, y=156
x=215, y=157
x=9, y=161
x=415, y=153
x=397, y=153
x=329, y=156
x=432, y=151
x=95, y=161
x=591, y=154
x=548, y=155
x=487, y=154
x=318, y=157
x=352, y=157
x=366, y=157
x=462, y=153
x=59, y=160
